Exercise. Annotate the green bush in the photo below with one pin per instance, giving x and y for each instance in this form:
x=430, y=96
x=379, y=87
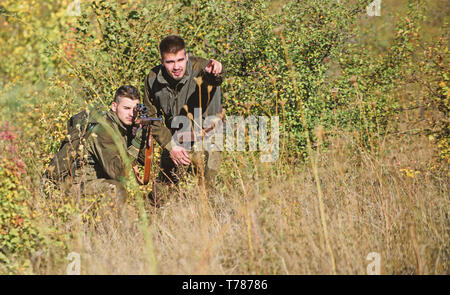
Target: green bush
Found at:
x=19, y=237
x=121, y=42
x=345, y=78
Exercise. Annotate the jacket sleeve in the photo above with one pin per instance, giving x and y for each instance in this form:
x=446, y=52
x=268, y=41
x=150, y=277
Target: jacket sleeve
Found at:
x=137, y=148
x=215, y=105
x=106, y=154
x=199, y=64
x=160, y=132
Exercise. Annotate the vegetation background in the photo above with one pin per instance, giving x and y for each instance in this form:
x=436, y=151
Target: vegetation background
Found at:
x=364, y=149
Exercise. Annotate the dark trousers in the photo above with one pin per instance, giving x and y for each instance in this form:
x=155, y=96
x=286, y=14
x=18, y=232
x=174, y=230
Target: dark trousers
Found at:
x=208, y=162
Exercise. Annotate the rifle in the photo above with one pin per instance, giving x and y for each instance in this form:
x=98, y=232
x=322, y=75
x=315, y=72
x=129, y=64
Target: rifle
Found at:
x=145, y=121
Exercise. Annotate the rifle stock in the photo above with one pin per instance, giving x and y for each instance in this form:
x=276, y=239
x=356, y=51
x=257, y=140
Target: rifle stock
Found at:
x=148, y=156
x=145, y=121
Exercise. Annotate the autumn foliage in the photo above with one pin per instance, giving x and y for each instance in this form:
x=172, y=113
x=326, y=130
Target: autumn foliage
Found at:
x=371, y=94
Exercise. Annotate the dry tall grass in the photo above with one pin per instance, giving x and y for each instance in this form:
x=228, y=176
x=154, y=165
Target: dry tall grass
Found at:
x=264, y=218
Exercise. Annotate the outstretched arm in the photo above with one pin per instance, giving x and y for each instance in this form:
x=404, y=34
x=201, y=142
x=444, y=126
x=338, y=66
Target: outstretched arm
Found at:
x=214, y=67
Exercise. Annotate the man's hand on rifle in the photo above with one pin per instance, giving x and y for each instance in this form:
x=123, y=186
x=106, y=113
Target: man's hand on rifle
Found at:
x=179, y=156
x=139, y=179
x=214, y=67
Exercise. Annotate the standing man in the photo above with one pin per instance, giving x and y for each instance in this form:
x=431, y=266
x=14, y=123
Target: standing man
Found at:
x=173, y=89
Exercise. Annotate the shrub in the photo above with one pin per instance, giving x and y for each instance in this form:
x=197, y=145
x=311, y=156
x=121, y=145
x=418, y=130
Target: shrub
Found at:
x=19, y=237
x=246, y=36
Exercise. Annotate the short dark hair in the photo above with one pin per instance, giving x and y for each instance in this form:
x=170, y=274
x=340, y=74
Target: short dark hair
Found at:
x=171, y=44
x=127, y=91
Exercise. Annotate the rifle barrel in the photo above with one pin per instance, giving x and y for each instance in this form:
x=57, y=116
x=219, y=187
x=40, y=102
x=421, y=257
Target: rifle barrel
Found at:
x=147, y=121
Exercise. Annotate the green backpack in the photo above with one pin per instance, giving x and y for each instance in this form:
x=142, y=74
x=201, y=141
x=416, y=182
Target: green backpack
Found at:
x=68, y=158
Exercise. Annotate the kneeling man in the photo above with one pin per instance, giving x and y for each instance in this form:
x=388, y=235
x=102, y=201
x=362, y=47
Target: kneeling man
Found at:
x=98, y=166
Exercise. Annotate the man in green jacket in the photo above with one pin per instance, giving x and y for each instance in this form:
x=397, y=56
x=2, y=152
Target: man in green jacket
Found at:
x=100, y=167
x=173, y=89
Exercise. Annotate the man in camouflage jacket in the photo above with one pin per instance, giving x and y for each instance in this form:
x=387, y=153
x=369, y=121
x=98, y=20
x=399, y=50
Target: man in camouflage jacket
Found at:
x=101, y=168
x=171, y=90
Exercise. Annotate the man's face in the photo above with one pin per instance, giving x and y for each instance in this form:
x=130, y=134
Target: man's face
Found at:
x=175, y=63
x=125, y=109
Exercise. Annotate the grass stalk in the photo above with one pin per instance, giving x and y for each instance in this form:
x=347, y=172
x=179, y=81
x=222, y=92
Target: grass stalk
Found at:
x=310, y=152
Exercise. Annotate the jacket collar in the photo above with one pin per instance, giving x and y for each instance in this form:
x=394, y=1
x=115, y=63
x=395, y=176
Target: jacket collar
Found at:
x=162, y=73
x=115, y=119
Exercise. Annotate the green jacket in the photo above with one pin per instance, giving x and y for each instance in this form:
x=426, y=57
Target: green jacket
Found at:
x=103, y=149
x=167, y=100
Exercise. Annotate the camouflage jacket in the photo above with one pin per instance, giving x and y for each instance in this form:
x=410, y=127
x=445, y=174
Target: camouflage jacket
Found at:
x=103, y=147
x=162, y=98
